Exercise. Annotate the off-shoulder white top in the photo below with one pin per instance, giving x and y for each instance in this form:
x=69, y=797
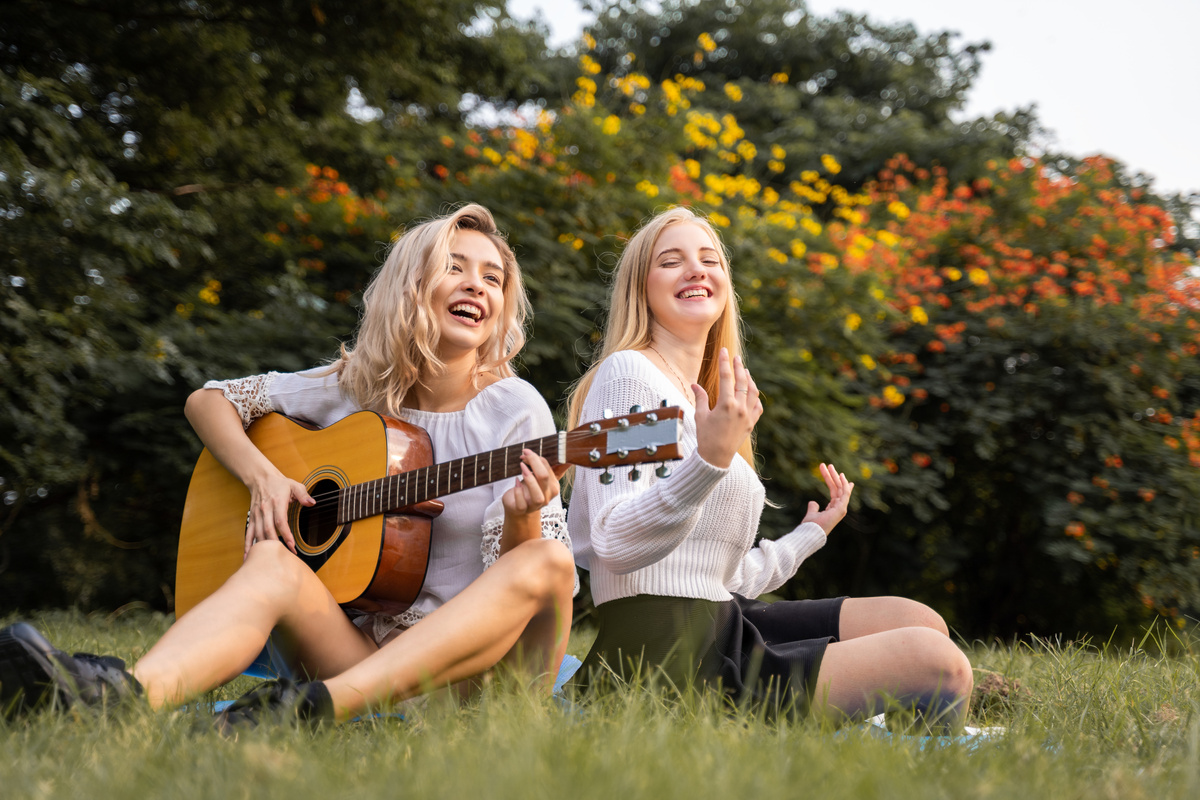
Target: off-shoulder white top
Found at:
x=466, y=538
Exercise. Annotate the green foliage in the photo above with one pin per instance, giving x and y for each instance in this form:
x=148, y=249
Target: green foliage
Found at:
x=846, y=85
x=140, y=149
x=187, y=194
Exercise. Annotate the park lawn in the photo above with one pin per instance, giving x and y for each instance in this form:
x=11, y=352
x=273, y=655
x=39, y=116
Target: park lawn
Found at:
x=1116, y=721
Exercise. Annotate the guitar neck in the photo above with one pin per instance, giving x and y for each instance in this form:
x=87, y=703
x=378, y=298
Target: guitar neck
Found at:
x=428, y=483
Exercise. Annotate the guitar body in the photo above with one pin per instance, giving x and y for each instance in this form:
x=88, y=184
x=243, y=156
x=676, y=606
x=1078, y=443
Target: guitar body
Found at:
x=376, y=563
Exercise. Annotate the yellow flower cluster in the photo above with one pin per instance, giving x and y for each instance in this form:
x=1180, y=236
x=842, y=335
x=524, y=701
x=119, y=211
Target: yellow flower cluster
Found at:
x=898, y=209
x=830, y=164
x=571, y=239
x=647, y=188
x=631, y=83
x=673, y=92
x=733, y=185
x=524, y=143
x=733, y=92
x=700, y=129
x=589, y=64
x=210, y=293
x=611, y=125
x=731, y=132
x=918, y=315
x=777, y=255
x=892, y=396
x=706, y=42
x=586, y=96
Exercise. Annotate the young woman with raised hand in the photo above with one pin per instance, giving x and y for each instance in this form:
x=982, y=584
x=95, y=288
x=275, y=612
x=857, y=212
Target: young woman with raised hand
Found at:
x=442, y=320
x=674, y=565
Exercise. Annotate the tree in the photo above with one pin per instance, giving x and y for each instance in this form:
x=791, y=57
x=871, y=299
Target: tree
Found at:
x=140, y=148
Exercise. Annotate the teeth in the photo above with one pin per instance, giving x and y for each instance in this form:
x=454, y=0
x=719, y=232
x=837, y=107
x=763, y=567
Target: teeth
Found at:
x=467, y=308
x=694, y=293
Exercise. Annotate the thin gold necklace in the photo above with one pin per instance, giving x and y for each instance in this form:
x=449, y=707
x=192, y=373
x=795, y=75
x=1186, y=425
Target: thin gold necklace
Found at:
x=686, y=390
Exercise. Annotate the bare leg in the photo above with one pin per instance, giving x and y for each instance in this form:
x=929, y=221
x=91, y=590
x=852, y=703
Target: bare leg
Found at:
x=526, y=593
x=863, y=616
x=219, y=638
x=914, y=665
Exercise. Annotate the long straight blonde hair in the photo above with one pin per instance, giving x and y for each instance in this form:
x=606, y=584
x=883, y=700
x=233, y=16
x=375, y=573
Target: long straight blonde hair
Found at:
x=629, y=315
x=397, y=336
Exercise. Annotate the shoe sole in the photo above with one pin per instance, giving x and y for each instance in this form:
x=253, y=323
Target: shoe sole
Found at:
x=28, y=673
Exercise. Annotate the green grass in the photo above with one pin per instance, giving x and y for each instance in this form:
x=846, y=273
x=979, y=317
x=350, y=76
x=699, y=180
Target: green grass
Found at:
x=1086, y=722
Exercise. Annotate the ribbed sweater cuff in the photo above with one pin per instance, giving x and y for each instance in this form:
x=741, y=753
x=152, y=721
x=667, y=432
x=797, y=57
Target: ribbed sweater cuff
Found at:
x=806, y=539
x=691, y=483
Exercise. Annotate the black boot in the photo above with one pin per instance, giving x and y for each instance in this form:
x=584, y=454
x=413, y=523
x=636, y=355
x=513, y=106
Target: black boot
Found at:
x=34, y=672
x=280, y=701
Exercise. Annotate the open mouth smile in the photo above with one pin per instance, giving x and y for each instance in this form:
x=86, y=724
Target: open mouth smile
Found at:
x=694, y=291
x=471, y=313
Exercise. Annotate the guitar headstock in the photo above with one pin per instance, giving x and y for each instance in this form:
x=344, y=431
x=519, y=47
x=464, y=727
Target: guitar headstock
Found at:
x=634, y=438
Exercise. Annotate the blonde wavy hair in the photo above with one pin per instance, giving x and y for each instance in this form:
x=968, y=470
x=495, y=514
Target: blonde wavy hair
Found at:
x=629, y=314
x=396, y=340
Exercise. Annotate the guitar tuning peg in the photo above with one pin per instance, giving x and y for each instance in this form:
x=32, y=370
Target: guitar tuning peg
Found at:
x=635, y=474
x=635, y=409
x=606, y=477
x=663, y=471
x=607, y=413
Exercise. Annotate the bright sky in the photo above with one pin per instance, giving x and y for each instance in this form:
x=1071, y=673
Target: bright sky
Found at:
x=1109, y=76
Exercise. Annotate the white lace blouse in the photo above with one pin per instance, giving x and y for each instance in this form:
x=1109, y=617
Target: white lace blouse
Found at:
x=466, y=538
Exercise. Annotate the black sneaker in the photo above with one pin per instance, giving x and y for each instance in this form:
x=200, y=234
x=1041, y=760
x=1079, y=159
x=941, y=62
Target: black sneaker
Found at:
x=281, y=701
x=34, y=672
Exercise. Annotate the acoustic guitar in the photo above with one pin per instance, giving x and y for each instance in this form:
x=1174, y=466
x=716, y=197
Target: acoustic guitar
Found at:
x=376, y=487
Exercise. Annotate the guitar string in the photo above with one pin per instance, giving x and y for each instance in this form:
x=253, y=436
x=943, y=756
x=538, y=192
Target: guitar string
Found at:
x=572, y=436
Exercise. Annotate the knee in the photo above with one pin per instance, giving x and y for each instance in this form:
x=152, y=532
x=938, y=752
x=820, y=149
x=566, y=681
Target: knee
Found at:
x=547, y=568
x=945, y=664
x=919, y=615
x=271, y=567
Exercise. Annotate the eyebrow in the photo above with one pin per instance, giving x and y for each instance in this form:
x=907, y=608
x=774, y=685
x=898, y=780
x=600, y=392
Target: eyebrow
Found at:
x=490, y=264
x=679, y=251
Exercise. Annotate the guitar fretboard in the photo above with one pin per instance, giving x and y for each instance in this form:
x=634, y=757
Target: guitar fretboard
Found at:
x=427, y=483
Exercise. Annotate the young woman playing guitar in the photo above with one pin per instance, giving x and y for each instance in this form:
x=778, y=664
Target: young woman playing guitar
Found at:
x=442, y=321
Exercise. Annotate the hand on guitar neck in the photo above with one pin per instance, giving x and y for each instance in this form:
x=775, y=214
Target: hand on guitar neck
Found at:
x=373, y=485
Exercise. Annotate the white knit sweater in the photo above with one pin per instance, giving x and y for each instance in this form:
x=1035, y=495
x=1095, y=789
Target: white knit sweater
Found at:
x=689, y=535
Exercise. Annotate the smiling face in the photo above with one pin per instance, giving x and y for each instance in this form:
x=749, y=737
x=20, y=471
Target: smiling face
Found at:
x=468, y=302
x=687, y=287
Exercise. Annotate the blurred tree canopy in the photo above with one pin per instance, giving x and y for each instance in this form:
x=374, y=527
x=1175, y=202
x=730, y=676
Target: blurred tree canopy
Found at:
x=999, y=350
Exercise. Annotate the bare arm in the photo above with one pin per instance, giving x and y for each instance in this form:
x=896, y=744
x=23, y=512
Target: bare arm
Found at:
x=219, y=427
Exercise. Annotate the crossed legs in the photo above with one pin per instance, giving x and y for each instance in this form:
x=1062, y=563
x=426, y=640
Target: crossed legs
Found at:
x=523, y=599
x=898, y=649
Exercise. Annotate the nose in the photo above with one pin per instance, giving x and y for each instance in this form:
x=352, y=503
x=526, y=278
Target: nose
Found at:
x=472, y=281
x=696, y=270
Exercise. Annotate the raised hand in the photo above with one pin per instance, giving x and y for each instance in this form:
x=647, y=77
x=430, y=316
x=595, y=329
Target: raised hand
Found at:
x=270, y=497
x=721, y=430
x=839, y=500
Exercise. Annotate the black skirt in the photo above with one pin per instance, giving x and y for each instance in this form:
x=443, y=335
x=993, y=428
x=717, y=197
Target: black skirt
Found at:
x=755, y=652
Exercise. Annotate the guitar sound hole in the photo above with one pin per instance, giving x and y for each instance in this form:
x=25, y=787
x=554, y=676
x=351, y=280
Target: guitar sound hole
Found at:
x=317, y=524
